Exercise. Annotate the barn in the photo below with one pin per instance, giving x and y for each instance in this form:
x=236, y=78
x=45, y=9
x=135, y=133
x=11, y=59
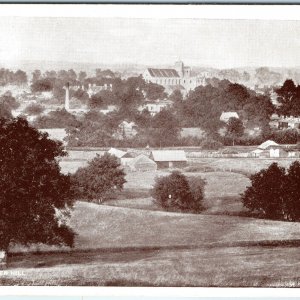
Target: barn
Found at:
x=169, y=158
x=142, y=163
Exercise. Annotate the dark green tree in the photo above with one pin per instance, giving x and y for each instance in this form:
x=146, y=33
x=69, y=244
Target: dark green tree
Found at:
x=175, y=192
x=99, y=179
x=35, y=198
x=234, y=129
x=267, y=193
x=293, y=192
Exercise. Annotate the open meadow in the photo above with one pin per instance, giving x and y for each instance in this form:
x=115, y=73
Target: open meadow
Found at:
x=121, y=246
x=130, y=241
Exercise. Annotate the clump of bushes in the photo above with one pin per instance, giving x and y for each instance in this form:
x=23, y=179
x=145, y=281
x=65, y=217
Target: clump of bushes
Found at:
x=275, y=193
x=99, y=180
x=179, y=193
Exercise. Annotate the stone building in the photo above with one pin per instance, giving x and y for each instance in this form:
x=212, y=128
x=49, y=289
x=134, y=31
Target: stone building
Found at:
x=180, y=77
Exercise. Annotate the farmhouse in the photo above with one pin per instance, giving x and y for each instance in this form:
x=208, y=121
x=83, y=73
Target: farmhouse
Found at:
x=225, y=116
x=269, y=149
x=169, y=158
x=142, y=163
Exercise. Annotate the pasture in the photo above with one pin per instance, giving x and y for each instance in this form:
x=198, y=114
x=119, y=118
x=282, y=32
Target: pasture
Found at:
x=129, y=241
x=121, y=246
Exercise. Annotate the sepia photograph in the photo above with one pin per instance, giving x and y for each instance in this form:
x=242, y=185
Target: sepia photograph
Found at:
x=145, y=148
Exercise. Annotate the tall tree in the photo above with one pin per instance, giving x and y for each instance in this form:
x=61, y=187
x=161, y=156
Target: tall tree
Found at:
x=267, y=193
x=33, y=190
x=234, y=129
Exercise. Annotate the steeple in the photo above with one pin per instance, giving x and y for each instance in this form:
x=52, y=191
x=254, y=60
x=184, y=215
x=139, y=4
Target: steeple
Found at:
x=67, y=98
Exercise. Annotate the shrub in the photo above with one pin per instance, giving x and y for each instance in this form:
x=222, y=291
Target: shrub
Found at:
x=99, y=179
x=176, y=192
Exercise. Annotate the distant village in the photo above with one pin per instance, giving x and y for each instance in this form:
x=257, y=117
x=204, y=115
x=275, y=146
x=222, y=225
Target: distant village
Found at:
x=62, y=104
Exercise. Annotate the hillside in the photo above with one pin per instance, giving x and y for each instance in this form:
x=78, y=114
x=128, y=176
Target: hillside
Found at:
x=135, y=247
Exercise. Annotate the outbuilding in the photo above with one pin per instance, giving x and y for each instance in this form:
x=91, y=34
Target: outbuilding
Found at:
x=169, y=158
x=142, y=163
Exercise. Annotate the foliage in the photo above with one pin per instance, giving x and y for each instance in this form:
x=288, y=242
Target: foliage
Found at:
x=234, y=129
x=34, y=109
x=288, y=95
x=7, y=104
x=165, y=128
x=42, y=85
x=210, y=144
x=57, y=119
x=176, y=192
x=80, y=95
x=204, y=106
x=176, y=96
x=274, y=192
x=155, y=91
x=9, y=77
x=99, y=179
x=197, y=185
x=33, y=190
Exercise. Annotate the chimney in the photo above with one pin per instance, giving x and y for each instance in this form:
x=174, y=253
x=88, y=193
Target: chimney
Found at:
x=67, y=99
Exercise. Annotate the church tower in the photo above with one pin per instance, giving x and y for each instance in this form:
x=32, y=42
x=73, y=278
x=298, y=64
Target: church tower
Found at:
x=179, y=67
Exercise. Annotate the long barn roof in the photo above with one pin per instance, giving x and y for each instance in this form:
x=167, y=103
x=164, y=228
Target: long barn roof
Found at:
x=163, y=72
x=168, y=155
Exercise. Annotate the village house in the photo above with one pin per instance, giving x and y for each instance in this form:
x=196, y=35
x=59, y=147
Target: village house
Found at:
x=156, y=106
x=169, y=158
x=281, y=122
x=94, y=89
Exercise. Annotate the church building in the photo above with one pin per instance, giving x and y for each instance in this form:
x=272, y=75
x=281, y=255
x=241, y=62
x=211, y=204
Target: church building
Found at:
x=178, y=78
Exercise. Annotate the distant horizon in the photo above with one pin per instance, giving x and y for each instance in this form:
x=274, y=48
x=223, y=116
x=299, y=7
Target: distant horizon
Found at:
x=219, y=44
x=14, y=64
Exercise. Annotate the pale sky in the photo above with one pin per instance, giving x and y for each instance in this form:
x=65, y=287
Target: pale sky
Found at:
x=215, y=43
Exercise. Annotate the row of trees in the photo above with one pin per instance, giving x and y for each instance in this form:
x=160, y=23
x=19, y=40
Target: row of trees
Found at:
x=9, y=77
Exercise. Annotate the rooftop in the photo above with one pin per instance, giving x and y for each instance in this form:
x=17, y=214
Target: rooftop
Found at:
x=169, y=155
x=163, y=72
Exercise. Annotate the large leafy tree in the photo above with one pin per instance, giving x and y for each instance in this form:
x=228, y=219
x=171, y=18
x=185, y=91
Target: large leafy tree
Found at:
x=293, y=193
x=99, y=179
x=267, y=193
x=35, y=197
x=175, y=192
x=288, y=95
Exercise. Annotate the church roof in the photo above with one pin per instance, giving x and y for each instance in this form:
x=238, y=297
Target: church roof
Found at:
x=163, y=72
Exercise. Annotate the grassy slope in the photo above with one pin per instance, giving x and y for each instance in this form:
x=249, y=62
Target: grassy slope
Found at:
x=217, y=259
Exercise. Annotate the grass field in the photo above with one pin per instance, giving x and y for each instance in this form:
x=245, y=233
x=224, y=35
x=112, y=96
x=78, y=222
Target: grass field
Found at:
x=129, y=241
x=136, y=247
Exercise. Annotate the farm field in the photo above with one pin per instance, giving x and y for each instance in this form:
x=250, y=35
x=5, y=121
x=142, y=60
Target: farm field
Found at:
x=179, y=250
x=130, y=241
x=221, y=191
